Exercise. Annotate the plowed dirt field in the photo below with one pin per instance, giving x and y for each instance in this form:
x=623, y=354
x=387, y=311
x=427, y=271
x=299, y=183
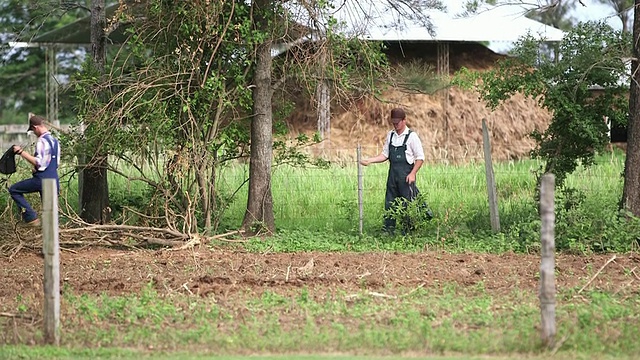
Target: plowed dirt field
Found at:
x=225, y=274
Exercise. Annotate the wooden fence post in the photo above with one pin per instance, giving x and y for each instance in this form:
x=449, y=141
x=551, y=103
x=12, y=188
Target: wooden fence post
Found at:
x=50, y=247
x=547, y=265
x=491, y=181
x=360, y=189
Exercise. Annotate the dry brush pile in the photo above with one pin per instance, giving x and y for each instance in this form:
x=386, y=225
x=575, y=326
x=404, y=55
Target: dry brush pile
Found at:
x=451, y=132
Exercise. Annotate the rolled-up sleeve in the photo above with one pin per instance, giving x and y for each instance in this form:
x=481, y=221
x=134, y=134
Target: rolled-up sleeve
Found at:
x=416, y=147
x=43, y=157
x=385, y=148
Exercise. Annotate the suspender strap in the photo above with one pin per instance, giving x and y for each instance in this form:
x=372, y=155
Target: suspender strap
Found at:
x=406, y=138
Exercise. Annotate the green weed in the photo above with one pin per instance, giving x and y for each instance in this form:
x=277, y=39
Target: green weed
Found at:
x=442, y=319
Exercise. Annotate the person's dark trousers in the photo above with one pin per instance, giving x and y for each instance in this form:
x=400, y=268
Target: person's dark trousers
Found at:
x=17, y=192
x=399, y=193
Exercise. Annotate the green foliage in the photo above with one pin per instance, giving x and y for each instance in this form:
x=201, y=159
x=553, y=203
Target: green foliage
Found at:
x=438, y=318
x=23, y=70
x=588, y=224
x=317, y=209
x=410, y=215
x=175, y=103
x=591, y=57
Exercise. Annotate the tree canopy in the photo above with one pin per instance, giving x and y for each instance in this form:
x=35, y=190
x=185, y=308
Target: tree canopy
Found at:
x=23, y=68
x=585, y=85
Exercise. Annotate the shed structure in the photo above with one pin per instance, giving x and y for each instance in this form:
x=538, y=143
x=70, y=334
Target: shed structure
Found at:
x=493, y=27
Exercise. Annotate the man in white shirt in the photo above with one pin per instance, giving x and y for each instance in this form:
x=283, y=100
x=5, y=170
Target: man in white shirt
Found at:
x=45, y=162
x=404, y=151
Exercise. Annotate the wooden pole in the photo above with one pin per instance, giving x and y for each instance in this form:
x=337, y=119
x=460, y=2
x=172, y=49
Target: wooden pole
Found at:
x=360, y=189
x=50, y=247
x=52, y=85
x=491, y=181
x=547, y=265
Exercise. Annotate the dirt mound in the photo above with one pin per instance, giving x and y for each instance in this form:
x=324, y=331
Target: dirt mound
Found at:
x=450, y=131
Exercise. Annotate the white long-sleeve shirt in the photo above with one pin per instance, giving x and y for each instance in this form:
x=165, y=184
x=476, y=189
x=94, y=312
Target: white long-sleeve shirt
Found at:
x=414, y=145
x=43, y=151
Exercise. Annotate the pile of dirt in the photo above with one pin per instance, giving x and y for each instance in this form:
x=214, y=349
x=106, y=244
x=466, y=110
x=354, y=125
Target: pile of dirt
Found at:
x=451, y=135
x=451, y=131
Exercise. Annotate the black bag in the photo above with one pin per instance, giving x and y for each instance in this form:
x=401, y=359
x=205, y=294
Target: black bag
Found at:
x=8, y=162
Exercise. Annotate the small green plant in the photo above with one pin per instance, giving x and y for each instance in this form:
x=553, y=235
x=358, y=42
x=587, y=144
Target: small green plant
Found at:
x=22, y=305
x=411, y=215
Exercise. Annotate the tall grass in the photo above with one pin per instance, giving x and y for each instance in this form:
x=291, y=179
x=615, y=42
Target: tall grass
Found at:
x=326, y=200
x=321, y=202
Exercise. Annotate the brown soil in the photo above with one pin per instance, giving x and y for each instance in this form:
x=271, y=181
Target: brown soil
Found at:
x=224, y=274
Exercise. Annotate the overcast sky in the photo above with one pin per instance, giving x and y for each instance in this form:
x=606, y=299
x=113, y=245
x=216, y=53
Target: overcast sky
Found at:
x=592, y=10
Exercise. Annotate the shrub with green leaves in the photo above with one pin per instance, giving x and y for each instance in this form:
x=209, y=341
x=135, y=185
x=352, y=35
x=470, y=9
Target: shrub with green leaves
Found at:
x=586, y=82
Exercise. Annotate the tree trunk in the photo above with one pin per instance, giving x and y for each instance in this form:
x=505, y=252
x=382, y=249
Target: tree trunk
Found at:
x=259, y=215
x=94, y=189
x=95, y=196
x=631, y=189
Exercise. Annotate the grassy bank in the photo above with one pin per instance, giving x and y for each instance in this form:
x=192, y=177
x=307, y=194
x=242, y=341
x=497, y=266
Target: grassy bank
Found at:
x=430, y=321
x=319, y=203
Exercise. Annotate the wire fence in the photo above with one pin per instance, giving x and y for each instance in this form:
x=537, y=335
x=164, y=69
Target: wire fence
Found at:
x=325, y=198
x=318, y=198
x=434, y=154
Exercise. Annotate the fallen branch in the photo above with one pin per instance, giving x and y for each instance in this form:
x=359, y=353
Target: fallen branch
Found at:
x=223, y=237
x=189, y=244
x=16, y=316
x=162, y=242
x=173, y=233
x=233, y=240
x=597, y=273
x=234, y=232
x=371, y=293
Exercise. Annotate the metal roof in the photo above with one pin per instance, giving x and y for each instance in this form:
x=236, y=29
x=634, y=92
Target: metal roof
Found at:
x=369, y=20
x=493, y=25
x=377, y=20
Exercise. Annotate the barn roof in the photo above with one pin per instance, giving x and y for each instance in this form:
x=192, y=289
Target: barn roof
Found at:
x=500, y=23
x=370, y=20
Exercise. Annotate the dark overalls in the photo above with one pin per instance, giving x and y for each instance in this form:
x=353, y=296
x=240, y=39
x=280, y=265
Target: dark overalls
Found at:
x=34, y=184
x=397, y=186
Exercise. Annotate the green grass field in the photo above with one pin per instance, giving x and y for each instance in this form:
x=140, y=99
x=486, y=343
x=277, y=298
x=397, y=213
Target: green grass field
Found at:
x=451, y=322
x=322, y=202
x=317, y=210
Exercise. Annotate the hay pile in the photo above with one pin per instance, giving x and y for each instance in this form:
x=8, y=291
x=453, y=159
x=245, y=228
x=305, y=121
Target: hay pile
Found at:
x=450, y=133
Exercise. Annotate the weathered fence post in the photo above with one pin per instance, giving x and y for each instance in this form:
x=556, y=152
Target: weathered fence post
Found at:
x=360, y=188
x=547, y=265
x=50, y=247
x=491, y=181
